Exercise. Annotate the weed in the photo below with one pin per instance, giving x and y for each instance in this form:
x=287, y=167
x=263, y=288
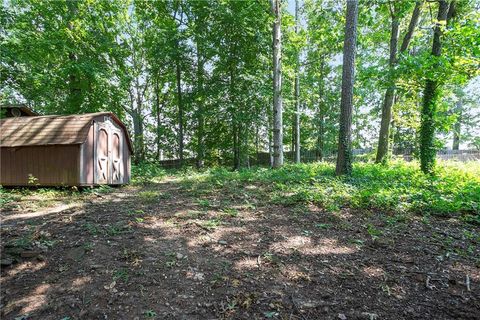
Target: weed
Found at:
x=121, y=274
x=210, y=224
x=131, y=255
x=148, y=196
x=117, y=229
x=150, y=314
x=7, y=197
x=396, y=219
x=171, y=259
x=88, y=246
x=249, y=205
x=204, y=203
x=164, y=196
x=323, y=225
x=307, y=233
x=23, y=242
x=192, y=214
x=357, y=242
x=135, y=212
x=217, y=279
x=374, y=232
x=92, y=228
x=231, y=212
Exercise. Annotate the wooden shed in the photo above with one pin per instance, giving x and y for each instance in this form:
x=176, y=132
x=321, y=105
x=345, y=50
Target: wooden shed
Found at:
x=76, y=150
x=16, y=110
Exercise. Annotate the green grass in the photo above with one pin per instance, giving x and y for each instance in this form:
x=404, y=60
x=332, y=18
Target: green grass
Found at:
x=398, y=187
x=148, y=196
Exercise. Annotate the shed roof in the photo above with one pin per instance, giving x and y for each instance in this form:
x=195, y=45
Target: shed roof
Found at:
x=21, y=107
x=50, y=130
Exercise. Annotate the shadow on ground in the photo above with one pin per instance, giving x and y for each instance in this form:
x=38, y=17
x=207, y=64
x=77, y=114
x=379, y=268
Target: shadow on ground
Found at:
x=175, y=251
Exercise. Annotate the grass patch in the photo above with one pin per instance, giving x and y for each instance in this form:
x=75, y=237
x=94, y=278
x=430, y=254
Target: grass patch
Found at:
x=148, y=196
x=210, y=224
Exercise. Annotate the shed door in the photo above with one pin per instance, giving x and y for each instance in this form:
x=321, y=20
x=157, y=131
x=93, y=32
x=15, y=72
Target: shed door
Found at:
x=117, y=171
x=102, y=164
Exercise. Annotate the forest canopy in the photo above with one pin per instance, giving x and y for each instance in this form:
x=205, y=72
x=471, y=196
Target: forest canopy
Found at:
x=194, y=79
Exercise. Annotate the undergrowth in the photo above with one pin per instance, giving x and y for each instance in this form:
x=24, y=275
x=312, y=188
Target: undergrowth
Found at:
x=398, y=187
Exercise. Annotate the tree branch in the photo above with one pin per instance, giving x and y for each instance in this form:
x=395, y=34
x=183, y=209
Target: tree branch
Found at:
x=412, y=25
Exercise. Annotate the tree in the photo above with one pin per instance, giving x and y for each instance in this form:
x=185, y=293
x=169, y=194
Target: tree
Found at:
x=384, y=134
x=60, y=57
x=457, y=127
x=197, y=76
x=277, y=85
x=321, y=77
x=296, y=122
x=431, y=95
x=344, y=157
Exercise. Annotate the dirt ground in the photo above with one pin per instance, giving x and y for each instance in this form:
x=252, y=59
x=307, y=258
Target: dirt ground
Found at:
x=176, y=251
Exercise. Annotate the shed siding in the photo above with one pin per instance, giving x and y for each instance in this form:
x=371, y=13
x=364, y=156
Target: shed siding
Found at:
x=126, y=160
x=69, y=155
x=86, y=158
x=51, y=165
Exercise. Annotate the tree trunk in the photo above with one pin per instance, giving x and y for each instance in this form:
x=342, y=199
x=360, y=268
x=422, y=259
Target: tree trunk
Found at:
x=270, y=132
x=243, y=157
x=277, y=87
x=320, y=115
x=138, y=135
x=321, y=127
x=200, y=109
x=136, y=112
x=297, y=96
x=74, y=100
x=411, y=26
x=236, y=147
x=457, y=127
x=157, y=113
x=180, y=112
x=430, y=99
x=388, y=101
x=344, y=157
x=234, y=113
x=257, y=142
x=382, y=150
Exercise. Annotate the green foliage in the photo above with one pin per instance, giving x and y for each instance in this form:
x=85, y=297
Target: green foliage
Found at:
x=147, y=172
x=121, y=274
x=398, y=187
x=148, y=196
x=6, y=197
x=68, y=57
x=150, y=314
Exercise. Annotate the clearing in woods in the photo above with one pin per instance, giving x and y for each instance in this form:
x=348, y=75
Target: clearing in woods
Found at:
x=192, y=249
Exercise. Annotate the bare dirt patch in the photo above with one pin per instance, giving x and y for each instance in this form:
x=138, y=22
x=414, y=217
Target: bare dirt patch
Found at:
x=168, y=251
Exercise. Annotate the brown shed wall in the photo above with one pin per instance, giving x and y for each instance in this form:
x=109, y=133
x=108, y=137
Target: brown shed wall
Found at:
x=126, y=160
x=87, y=169
x=51, y=165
